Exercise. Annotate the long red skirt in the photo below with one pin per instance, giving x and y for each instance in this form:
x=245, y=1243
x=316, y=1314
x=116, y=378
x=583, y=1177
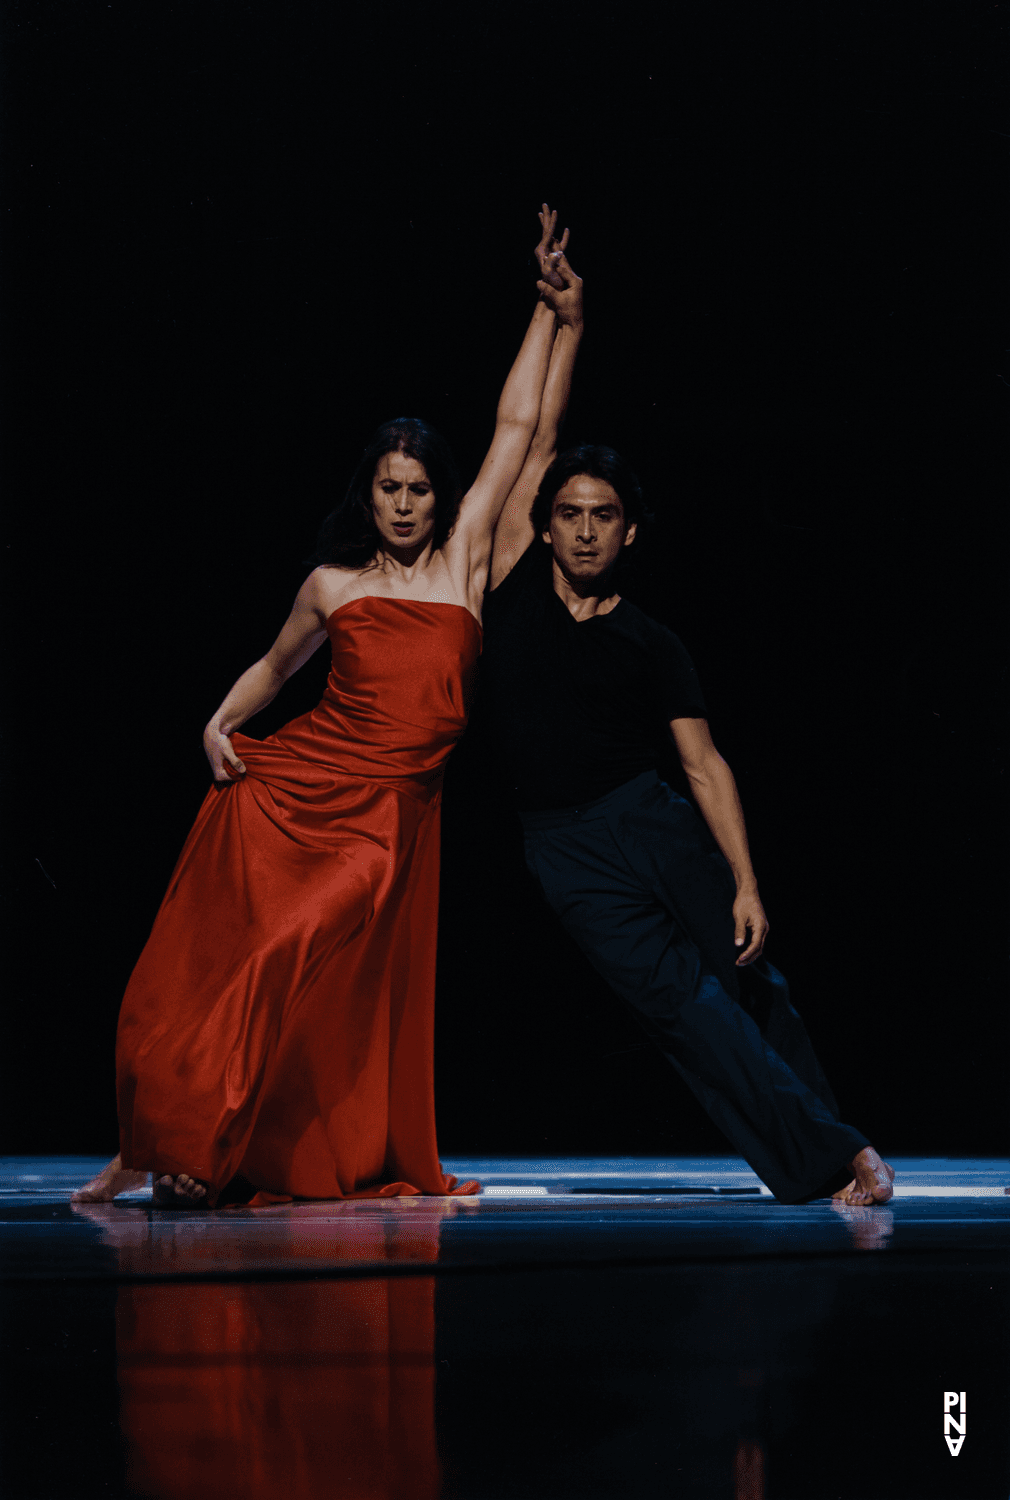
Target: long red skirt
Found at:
x=279, y=1023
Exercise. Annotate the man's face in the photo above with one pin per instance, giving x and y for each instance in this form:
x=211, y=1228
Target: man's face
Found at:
x=403, y=502
x=587, y=528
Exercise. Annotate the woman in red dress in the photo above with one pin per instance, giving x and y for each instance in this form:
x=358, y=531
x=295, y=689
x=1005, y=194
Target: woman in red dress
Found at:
x=278, y=1028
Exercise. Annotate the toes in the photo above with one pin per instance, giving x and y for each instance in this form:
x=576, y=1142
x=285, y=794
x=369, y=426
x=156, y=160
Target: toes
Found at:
x=181, y=1189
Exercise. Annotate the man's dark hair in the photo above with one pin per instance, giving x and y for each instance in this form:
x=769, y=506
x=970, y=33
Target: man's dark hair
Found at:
x=349, y=535
x=598, y=463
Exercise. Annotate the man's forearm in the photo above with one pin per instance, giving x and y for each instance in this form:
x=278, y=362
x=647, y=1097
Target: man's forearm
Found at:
x=558, y=386
x=719, y=804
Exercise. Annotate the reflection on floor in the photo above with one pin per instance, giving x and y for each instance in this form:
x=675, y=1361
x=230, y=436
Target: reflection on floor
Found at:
x=581, y=1329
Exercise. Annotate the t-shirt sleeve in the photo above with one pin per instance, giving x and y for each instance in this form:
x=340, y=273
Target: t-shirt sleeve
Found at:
x=678, y=692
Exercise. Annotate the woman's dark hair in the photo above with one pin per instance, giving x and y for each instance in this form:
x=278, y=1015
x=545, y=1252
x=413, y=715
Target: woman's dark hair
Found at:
x=349, y=535
x=598, y=463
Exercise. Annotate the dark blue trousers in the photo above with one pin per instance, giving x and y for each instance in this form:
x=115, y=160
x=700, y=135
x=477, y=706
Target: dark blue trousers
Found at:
x=639, y=883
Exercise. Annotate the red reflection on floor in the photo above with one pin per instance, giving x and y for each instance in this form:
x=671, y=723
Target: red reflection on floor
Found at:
x=749, y=1471
x=290, y=1390
x=285, y=1390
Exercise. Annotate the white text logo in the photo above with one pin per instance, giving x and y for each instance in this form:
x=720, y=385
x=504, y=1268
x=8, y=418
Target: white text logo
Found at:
x=954, y=1419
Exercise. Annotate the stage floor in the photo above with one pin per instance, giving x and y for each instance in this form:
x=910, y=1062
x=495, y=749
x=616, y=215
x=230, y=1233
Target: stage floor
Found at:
x=582, y=1328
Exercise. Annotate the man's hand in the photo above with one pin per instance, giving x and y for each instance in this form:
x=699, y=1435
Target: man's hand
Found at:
x=749, y=915
x=549, y=250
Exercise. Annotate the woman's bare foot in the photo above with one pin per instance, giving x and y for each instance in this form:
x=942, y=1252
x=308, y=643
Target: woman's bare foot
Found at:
x=179, y=1192
x=872, y=1182
x=113, y=1179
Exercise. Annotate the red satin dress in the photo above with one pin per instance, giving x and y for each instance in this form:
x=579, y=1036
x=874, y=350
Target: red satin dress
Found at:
x=279, y=1023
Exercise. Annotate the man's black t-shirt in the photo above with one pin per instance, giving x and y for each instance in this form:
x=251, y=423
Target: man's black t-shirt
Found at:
x=576, y=707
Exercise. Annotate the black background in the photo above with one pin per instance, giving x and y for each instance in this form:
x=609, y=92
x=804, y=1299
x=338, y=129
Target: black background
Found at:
x=237, y=237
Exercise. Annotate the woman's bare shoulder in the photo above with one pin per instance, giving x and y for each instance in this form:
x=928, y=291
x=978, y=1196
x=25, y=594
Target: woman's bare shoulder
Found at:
x=330, y=586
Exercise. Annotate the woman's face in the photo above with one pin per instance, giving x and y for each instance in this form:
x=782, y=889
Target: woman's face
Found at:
x=403, y=503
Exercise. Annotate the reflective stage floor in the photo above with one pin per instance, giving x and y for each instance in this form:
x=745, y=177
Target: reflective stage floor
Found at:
x=582, y=1328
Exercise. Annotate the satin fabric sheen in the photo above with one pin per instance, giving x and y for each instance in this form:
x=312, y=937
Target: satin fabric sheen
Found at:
x=279, y=1022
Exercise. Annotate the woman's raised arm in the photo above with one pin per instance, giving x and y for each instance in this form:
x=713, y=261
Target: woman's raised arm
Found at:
x=514, y=530
x=516, y=420
x=303, y=633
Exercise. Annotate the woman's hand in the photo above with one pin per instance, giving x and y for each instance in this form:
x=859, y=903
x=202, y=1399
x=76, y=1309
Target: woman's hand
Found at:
x=565, y=300
x=218, y=749
x=550, y=250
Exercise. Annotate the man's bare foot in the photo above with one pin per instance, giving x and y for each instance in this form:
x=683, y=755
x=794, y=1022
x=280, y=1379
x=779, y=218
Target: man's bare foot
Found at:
x=179, y=1192
x=113, y=1179
x=872, y=1182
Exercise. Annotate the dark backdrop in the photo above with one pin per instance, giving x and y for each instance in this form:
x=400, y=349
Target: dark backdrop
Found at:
x=236, y=237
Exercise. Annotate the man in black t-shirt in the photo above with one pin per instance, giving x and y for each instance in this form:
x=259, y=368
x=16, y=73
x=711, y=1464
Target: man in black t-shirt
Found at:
x=579, y=686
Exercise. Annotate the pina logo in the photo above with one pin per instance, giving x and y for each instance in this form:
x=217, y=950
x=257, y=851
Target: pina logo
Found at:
x=952, y=1418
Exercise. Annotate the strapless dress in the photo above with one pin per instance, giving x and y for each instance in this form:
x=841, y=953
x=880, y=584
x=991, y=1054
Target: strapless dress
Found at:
x=278, y=1026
